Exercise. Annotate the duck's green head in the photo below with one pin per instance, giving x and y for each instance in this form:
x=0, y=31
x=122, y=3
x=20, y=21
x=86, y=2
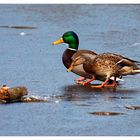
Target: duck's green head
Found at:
x=70, y=38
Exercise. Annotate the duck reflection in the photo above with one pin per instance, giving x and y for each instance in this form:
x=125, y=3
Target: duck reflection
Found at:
x=80, y=93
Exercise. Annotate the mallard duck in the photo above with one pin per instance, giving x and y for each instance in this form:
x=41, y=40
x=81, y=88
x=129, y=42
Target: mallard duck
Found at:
x=72, y=52
x=106, y=65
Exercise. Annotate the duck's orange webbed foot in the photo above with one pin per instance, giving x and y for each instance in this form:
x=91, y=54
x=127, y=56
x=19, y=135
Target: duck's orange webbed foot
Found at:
x=105, y=84
x=99, y=86
x=85, y=83
x=88, y=81
x=111, y=85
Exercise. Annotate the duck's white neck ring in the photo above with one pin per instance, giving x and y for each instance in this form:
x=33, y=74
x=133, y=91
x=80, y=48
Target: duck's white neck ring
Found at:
x=72, y=49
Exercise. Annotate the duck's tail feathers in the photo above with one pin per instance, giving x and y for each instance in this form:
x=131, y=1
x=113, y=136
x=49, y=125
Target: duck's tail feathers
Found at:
x=136, y=71
x=131, y=72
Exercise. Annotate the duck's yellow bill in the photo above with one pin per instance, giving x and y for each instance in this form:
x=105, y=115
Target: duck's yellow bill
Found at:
x=70, y=68
x=59, y=41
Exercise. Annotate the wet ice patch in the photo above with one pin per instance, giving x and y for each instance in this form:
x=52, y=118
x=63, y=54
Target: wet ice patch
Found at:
x=106, y=113
x=116, y=97
x=18, y=27
x=133, y=107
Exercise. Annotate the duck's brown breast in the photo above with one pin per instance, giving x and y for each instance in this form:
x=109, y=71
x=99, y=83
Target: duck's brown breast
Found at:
x=67, y=57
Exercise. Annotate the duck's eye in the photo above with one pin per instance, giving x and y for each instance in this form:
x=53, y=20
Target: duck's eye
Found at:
x=77, y=59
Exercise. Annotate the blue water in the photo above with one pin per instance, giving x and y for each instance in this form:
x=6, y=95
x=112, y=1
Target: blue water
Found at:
x=27, y=58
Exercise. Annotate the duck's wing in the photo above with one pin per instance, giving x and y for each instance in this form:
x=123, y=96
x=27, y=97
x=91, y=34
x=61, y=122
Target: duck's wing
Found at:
x=87, y=53
x=125, y=62
x=124, y=58
x=126, y=68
